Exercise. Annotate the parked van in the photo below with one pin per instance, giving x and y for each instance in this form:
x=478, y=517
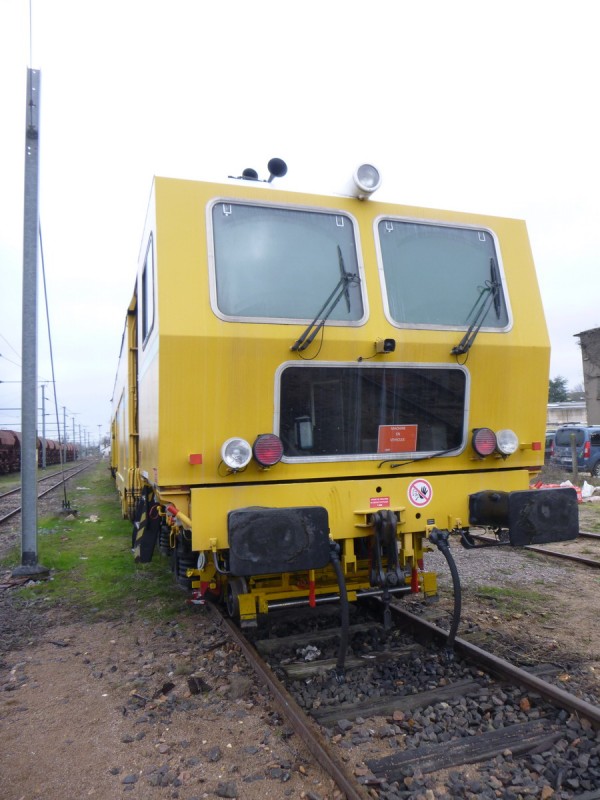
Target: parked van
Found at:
x=549, y=446
x=587, y=444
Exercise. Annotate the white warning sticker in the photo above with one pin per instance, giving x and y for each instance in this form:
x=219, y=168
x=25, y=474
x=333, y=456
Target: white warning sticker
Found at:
x=420, y=492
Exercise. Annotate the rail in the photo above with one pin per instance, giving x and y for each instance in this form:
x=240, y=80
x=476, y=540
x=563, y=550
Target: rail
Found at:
x=64, y=476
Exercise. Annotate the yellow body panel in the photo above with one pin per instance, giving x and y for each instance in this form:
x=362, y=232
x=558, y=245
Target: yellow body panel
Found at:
x=348, y=503
x=124, y=424
x=212, y=379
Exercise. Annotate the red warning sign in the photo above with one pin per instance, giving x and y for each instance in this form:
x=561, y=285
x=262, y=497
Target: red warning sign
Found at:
x=379, y=502
x=397, y=439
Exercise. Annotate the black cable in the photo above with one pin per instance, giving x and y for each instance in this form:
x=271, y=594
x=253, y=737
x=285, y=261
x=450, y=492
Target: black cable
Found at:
x=63, y=456
x=440, y=539
x=413, y=460
x=334, y=555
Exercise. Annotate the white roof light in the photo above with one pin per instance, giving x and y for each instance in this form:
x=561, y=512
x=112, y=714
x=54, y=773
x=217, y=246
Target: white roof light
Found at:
x=366, y=180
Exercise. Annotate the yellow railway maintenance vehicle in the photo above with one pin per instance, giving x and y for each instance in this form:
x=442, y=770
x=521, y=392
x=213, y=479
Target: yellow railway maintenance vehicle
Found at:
x=313, y=390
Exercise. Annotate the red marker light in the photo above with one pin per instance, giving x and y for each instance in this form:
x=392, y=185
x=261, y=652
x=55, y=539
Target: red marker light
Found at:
x=484, y=441
x=267, y=449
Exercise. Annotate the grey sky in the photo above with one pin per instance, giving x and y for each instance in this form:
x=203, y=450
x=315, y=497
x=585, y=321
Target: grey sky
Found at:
x=473, y=106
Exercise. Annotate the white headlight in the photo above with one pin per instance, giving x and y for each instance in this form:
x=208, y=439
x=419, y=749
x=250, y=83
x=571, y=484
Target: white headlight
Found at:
x=507, y=441
x=236, y=453
x=367, y=180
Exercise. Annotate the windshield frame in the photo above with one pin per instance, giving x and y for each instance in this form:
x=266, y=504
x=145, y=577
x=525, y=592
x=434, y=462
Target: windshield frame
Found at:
x=326, y=289
x=378, y=457
x=441, y=224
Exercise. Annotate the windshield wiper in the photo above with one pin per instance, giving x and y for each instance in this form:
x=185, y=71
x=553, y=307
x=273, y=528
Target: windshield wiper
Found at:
x=488, y=295
x=345, y=276
x=328, y=307
x=495, y=278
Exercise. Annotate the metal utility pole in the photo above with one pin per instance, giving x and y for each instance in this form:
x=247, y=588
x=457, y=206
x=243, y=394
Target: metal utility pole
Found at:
x=29, y=554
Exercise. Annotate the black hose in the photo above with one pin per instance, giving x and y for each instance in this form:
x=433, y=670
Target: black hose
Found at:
x=440, y=539
x=334, y=555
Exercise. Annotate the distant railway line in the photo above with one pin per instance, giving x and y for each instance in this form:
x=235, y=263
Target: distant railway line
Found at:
x=10, y=501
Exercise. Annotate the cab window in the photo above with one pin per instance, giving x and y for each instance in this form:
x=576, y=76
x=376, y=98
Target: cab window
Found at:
x=280, y=264
x=440, y=275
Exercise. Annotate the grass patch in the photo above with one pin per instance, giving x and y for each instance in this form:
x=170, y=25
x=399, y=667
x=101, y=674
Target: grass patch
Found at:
x=92, y=568
x=589, y=517
x=511, y=599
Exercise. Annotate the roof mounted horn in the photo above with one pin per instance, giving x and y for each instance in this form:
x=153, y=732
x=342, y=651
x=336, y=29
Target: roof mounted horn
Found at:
x=276, y=166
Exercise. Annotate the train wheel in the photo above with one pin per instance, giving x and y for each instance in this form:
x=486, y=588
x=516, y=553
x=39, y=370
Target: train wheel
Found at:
x=235, y=587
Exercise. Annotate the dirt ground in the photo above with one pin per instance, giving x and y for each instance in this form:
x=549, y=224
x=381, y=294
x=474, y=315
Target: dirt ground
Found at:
x=134, y=709
x=129, y=709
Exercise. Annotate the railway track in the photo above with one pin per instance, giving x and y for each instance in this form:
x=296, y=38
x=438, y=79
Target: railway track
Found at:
x=10, y=500
x=584, y=550
x=411, y=720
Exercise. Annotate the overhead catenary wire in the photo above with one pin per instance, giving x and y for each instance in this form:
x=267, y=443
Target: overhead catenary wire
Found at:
x=16, y=352
x=14, y=363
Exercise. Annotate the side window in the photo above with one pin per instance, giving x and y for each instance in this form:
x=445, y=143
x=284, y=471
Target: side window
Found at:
x=148, y=292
